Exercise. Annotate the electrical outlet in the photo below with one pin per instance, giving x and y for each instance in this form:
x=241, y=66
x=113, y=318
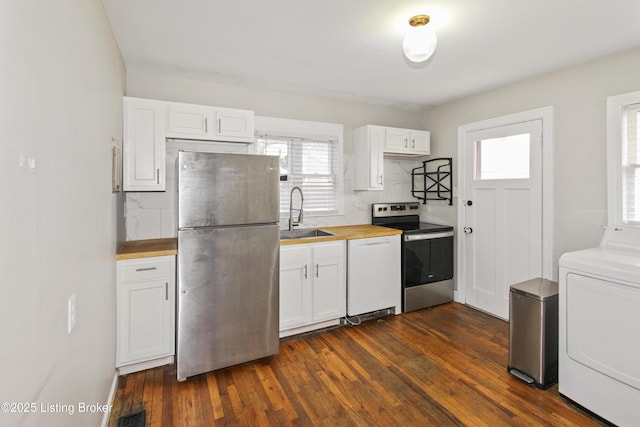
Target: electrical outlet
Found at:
x=71, y=313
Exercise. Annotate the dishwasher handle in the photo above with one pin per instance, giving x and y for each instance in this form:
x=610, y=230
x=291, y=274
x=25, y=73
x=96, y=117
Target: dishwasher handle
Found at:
x=427, y=236
x=382, y=242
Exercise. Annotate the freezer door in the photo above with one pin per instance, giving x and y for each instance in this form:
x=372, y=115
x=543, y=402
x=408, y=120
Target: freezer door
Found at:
x=227, y=189
x=228, y=297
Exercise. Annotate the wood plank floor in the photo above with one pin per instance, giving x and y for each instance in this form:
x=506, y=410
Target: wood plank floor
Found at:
x=440, y=366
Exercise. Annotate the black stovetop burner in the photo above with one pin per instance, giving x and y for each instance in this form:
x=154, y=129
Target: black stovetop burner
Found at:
x=403, y=216
x=420, y=227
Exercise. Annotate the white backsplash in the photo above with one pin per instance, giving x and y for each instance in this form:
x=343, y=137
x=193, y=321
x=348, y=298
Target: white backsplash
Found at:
x=151, y=215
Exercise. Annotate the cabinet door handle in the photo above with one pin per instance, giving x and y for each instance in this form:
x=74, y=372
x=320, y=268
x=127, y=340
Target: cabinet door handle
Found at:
x=166, y=291
x=317, y=272
x=380, y=179
x=406, y=143
x=146, y=269
x=158, y=176
x=219, y=125
x=413, y=143
x=206, y=125
x=305, y=271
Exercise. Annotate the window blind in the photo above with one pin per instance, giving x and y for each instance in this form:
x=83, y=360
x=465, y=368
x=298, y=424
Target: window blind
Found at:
x=631, y=165
x=308, y=163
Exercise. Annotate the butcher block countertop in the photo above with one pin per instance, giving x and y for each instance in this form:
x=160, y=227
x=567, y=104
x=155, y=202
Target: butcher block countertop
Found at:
x=160, y=247
x=147, y=248
x=345, y=232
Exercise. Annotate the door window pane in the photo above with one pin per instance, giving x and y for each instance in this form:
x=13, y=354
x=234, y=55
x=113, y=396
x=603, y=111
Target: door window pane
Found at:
x=503, y=158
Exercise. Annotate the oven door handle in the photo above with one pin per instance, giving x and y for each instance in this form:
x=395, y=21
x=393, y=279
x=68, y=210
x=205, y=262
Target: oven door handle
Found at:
x=427, y=236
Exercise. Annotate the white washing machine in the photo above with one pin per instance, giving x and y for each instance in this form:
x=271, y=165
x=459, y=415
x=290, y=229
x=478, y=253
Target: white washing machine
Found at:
x=599, y=337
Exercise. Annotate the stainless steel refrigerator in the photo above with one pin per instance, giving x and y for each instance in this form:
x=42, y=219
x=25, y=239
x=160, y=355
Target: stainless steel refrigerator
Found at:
x=228, y=260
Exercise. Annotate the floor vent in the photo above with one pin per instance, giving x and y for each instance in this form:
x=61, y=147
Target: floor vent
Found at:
x=133, y=420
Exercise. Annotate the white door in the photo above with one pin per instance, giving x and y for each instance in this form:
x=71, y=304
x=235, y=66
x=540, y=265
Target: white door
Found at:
x=329, y=291
x=295, y=286
x=502, y=211
x=144, y=320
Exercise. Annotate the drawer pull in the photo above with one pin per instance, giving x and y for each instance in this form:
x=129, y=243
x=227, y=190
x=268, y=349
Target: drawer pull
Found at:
x=146, y=269
x=166, y=291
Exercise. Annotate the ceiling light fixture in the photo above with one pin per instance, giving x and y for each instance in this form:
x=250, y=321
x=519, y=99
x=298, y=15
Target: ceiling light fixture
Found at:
x=419, y=42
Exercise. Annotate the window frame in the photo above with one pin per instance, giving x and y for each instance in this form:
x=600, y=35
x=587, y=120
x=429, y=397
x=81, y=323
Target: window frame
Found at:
x=616, y=106
x=320, y=131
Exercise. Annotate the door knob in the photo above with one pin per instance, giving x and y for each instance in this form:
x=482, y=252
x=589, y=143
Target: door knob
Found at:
x=467, y=230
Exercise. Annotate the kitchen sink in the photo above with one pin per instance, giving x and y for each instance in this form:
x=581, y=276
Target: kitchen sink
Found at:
x=303, y=233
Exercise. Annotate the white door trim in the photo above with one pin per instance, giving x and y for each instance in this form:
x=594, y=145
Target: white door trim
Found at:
x=546, y=115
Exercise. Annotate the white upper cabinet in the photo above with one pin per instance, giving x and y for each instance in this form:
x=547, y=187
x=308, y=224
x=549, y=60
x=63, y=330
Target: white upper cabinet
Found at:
x=203, y=122
x=234, y=125
x=368, y=160
x=148, y=123
x=371, y=143
x=144, y=145
x=191, y=121
x=407, y=141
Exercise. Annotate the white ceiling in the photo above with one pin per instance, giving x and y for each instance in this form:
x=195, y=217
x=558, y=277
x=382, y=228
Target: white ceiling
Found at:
x=353, y=48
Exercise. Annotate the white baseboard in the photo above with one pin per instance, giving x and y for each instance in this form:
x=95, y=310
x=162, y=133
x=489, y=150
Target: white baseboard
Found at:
x=112, y=394
x=141, y=366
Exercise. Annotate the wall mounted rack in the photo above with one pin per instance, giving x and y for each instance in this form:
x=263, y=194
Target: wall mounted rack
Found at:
x=433, y=180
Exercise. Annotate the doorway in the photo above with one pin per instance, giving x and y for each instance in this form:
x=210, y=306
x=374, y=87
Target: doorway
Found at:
x=504, y=219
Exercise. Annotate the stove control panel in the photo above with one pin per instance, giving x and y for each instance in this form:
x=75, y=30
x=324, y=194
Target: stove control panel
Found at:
x=394, y=209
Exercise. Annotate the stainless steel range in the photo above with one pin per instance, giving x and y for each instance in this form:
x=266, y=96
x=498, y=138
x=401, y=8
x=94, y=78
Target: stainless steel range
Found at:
x=427, y=254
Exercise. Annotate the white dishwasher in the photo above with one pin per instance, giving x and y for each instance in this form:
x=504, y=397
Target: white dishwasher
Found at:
x=373, y=275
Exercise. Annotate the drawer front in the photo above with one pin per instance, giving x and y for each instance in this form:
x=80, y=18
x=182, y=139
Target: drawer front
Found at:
x=329, y=250
x=294, y=255
x=135, y=270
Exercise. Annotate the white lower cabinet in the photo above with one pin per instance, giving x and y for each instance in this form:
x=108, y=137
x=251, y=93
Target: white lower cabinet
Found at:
x=312, y=286
x=145, y=313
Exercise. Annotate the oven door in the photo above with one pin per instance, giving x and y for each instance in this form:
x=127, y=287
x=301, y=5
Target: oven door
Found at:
x=427, y=258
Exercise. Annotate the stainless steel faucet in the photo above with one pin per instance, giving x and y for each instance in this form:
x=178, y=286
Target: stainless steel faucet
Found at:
x=297, y=222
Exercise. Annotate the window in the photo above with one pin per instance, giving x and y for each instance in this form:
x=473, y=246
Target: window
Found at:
x=503, y=158
x=623, y=158
x=310, y=162
x=630, y=165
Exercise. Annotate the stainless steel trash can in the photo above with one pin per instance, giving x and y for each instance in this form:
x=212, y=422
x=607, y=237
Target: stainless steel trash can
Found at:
x=533, y=331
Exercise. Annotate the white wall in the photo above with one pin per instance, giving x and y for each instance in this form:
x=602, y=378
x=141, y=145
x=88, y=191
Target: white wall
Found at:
x=578, y=96
x=61, y=80
x=150, y=215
